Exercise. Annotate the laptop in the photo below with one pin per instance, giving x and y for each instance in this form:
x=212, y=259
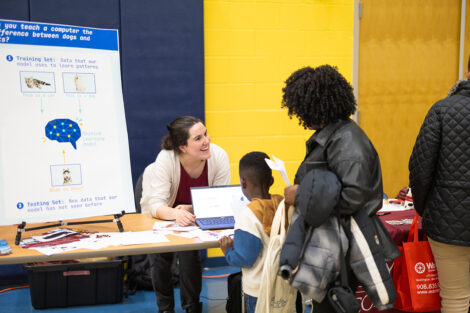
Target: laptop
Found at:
x=216, y=207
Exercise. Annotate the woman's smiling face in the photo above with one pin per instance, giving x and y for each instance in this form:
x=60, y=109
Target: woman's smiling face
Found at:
x=198, y=145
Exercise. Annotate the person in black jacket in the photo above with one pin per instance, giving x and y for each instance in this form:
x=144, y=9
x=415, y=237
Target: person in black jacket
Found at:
x=440, y=185
x=323, y=100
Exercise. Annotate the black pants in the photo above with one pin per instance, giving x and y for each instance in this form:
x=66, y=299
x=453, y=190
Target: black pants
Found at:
x=190, y=270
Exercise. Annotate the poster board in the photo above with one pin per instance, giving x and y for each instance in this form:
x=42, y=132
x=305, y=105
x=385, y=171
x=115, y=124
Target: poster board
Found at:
x=64, y=149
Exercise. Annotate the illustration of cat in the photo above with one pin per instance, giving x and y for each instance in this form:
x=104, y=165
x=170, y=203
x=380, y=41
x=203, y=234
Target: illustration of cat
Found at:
x=78, y=83
x=32, y=82
x=67, y=176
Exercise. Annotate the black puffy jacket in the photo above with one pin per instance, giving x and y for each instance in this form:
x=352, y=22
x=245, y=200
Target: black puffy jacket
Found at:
x=440, y=169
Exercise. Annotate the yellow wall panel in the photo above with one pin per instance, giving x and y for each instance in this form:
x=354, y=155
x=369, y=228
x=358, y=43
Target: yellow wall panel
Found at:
x=244, y=123
x=330, y=43
x=251, y=47
x=226, y=97
x=321, y=18
x=288, y=65
x=229, y=14
x=237, y=42
x=237, y=147
x=300, y=16
x=340, y=17
x=267, y=14
x=268, y=42
x=291, y=127
x=242, y=69
x=405, y=66
x=217, y=70
x=267, y=96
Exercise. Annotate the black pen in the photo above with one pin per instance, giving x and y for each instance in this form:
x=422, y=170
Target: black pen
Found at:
x=383, y=213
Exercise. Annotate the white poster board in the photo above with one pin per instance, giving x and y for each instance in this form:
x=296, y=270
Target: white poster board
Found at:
x=63, y=140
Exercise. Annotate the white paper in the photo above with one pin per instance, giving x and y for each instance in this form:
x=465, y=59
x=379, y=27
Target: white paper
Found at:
x=172, y=226
x=189, y=234
x=226, y=233
x=388, y=207
x=278, y=165
x=162, y=224
x=209, y=235
x=102, y=240
x=50, y=250
x=143, y=237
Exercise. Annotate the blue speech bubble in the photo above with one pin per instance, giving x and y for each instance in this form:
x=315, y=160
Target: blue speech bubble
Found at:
x=63, y=130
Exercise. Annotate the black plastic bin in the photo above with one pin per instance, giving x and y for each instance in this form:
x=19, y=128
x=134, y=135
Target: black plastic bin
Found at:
x=62, y=285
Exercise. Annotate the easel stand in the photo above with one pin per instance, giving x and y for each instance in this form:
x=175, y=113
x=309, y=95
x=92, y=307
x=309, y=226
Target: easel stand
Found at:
x=21, y=228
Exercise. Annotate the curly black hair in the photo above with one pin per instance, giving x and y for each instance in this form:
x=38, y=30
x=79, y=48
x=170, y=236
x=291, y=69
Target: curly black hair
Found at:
x=259, y=173
x=318, y=96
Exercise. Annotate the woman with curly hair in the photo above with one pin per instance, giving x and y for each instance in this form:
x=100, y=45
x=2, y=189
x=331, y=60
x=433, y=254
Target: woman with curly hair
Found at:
x=318, y=96
x=323, y=100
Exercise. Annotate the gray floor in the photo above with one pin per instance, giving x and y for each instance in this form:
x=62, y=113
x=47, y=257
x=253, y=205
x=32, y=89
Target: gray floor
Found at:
x=213, y=296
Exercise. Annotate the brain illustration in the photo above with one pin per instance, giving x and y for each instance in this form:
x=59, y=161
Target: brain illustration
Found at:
x=63, y=130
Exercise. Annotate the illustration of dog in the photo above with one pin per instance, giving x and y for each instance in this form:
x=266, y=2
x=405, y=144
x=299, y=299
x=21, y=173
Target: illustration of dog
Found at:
x=78, y=83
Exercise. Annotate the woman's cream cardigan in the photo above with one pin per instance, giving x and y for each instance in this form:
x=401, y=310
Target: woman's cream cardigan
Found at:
x=161, y=178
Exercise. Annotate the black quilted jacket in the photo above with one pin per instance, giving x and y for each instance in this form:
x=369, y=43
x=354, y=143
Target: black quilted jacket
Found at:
x=440, y=169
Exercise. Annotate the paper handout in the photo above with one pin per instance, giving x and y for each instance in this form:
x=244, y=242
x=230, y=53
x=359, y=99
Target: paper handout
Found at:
x=172, y=226
x=278, y=165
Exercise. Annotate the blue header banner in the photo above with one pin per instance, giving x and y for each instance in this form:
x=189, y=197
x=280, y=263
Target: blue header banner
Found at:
x=40, y=34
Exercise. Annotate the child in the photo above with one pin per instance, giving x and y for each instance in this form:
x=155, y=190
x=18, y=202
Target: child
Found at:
x=253, y=226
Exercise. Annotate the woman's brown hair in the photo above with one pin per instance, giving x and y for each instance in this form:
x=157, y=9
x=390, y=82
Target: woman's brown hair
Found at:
x=178, y=133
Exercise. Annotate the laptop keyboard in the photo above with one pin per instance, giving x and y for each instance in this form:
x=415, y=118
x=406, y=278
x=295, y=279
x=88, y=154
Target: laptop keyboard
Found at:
x=217, y=220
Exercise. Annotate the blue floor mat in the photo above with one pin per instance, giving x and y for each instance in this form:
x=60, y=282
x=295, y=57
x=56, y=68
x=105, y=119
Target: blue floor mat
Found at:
x=213, y=297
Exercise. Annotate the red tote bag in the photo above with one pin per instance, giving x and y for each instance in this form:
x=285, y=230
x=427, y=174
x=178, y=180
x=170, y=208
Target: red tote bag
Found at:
x=415, y=275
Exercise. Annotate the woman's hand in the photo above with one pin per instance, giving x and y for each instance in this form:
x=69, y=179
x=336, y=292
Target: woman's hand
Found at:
x=225, y=243
x=289, y=195
x=186, y=207
x=183, y=217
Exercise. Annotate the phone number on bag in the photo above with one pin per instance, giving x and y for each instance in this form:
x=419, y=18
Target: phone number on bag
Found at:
x=427, y=286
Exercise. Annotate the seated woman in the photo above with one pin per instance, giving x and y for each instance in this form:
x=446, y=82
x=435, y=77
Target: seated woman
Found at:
x=187, y=159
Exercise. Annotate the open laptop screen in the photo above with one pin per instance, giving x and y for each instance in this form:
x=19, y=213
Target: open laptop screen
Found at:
x=217, y=201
